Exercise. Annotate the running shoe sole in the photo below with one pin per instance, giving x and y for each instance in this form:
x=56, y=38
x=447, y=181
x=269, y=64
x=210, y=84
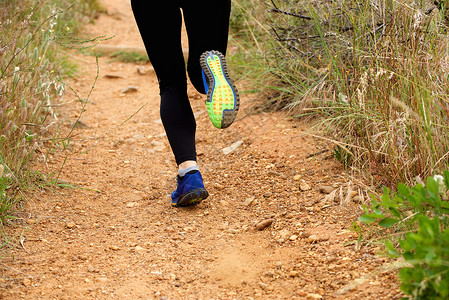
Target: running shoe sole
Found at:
x=222, y=96
x=190, y=198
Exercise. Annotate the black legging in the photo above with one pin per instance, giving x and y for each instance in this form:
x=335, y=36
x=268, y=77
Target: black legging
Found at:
x=159, y=22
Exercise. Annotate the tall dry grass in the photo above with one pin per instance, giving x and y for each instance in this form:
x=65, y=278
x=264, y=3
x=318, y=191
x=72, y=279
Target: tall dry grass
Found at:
x=376, y=74
x=32, y=69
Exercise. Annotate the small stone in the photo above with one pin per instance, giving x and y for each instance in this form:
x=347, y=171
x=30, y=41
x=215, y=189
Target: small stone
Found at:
x=304, y=186
x=297, y=177
x=101, y=279
x=139, y=249
x=232, y=148
x=263, y=286
x=293, y=237
x=129, y=89
x=86, y=280
x=357, y=199
x=112, y=76
x=313, y=238
x=132, y=204
x=301, y=293
x=219, y=186
x=293, y=274
x=158, y=146
x=70, y=225
x=142, y=70
x=26, y=282
x=284, y=233
x=92, y=270
x=326, y=189
x=272, y=173
x=263, y=224
x=313, y=296
x=250, y=201
x=233, y=231
x=304, y=235
x=199, y=113
x=114, y=248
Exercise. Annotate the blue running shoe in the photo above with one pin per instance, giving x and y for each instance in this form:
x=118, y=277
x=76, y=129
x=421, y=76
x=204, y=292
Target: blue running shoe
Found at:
x=222, y=96
x=190, y=190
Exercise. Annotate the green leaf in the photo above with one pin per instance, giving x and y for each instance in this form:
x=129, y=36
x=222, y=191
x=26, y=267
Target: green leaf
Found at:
x=391, y=250
x=388, y=222
x=403, y=189
x=395, y=212
x=366, y=219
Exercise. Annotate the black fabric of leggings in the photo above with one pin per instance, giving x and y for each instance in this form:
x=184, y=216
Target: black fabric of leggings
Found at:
x=159, y=23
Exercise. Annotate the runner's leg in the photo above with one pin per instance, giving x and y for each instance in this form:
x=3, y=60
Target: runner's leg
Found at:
x=160, y=27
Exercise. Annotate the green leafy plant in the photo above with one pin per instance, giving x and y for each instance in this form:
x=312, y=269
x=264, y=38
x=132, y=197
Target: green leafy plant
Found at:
x=416, y=219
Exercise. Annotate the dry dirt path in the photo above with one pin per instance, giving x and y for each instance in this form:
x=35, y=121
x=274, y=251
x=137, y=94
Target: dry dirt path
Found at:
x=118, y=237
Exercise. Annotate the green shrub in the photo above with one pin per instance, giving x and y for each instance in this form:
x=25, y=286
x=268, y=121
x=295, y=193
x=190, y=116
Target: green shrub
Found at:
x=417, y=222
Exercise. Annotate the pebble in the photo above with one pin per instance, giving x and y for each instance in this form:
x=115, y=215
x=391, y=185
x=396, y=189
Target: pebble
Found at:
x=313, y=296
x=326, y=189
x=263, y=224
x=112, y=76
x=263, y=286
x=357, y=199
x=250, y=201
x=301, y=293
x=93, y=270
x=129, y=89
x=158, y=146
x=293, y=237
x=139, y=249
x=315, y=239
x=293, y=274
x=304, y=235
x=70, y=225
x=297, y=177
x=233, y=231
x=26, y=282
x=113, y=247
x=232, y=148
x=304, y=186
x=142, y=70
x=132, y=204
x=284, y=233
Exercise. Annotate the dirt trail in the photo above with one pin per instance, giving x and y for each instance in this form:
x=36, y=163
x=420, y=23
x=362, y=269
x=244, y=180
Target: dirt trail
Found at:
x=118, y=237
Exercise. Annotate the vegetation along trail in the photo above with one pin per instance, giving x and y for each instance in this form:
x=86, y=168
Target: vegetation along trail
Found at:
x=274, y=227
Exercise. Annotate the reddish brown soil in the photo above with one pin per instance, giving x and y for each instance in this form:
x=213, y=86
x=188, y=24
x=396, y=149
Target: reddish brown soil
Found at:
x=114, y=235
